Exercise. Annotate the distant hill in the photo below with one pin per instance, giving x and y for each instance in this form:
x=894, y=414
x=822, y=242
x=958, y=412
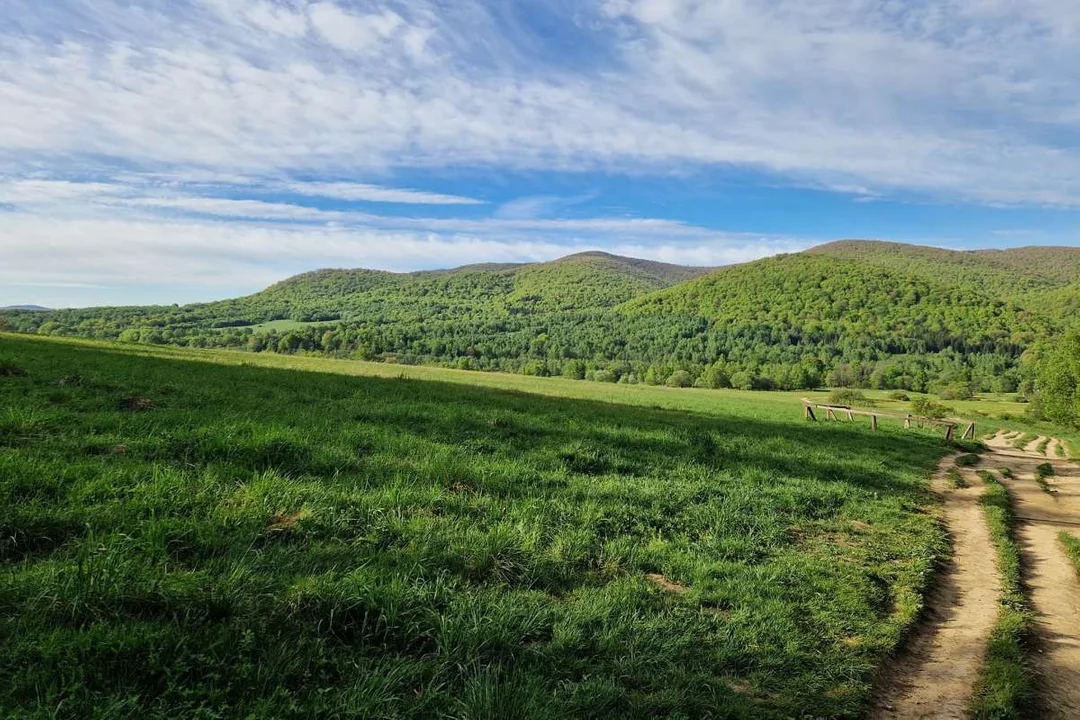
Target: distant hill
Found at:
x=834, y=300
x=23, y=307
x=1007, y=273
x=584, y=281
x=853, y=312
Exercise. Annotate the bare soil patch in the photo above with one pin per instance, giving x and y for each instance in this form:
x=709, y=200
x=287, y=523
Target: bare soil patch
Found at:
x=664, y=584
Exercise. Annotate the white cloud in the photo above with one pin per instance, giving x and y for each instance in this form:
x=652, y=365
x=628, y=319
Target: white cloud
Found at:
x=142, y=251
x=375, y=193
x=958, y=99
x=195, y=116
x=350, y=32
x=146, y=237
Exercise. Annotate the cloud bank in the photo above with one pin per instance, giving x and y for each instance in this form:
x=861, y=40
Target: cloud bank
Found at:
x=195, y=113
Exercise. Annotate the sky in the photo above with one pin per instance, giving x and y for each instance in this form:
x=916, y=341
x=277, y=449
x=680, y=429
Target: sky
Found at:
x=161, y=151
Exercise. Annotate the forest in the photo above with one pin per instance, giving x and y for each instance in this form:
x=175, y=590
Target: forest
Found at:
x=849, y=314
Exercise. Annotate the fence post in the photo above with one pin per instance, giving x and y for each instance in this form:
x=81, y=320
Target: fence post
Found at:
x=873, y=422
x=907, y=422
x=948, y=431
x=809, y=413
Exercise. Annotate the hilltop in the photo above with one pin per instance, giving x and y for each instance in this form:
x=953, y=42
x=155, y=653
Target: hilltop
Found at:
x=850, y=312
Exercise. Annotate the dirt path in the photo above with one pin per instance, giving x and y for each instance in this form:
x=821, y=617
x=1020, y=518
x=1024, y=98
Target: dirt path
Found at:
x=1052, y=579
x=935, y=676
x=1052, y=449
x=1030, y=447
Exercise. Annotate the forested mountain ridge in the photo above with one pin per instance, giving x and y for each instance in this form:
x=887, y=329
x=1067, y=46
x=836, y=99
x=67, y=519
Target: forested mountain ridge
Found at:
x=835, y=298
x=851, y=312
x=591, y=280
x=1007, y=273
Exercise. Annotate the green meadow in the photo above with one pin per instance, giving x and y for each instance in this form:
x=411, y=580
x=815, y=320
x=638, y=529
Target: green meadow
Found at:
x=203, y=534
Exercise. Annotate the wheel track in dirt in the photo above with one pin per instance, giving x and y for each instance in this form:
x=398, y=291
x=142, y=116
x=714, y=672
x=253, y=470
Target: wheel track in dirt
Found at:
x=1051, y=578
x=935, y=675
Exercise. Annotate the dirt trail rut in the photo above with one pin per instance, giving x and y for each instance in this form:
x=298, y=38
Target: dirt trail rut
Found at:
x=1052, y=448
x=935, y=676
x=1030, y=448
x=1052, y=579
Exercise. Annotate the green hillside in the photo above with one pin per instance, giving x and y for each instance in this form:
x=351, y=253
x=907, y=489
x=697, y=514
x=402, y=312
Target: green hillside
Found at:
x=592, y=281
x=1003, y=273
x=863, y=313
x=586, y=281
x=828, y=299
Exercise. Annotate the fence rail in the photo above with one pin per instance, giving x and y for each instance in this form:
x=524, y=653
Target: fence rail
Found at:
x=832, y=410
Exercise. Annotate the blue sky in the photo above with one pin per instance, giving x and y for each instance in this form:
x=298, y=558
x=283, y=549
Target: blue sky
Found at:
x=159, y=151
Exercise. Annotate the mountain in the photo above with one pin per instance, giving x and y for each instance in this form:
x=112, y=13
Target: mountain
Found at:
x=832, y=299
x=591, y=280
x=1016, y=272
x=856, y=312
x=24, y=307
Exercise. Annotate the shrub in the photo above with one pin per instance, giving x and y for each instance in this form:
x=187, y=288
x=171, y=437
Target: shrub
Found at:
x=847, y=396
x=1044, y=470
x=742, y=380
x=536, y=368
x=899, y=395
x=680, y=378
x=927, y=407
x=574, y=369
x=604, y=375
x=967, y=460
x=956, y=392
x=714, y=377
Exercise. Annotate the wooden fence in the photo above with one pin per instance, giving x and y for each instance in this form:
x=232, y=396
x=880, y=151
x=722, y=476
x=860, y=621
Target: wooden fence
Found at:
x=831, y=412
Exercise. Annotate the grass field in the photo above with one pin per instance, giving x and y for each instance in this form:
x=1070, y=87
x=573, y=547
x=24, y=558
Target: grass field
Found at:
x=198, y=534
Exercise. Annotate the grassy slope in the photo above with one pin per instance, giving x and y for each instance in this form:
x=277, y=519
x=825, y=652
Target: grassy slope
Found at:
x=991, y=412
x=271, y=542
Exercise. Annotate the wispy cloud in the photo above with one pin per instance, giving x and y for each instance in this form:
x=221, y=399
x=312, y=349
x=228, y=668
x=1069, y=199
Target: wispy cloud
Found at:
x=375, y=193
x=140, y=251
x=191, y=121
x=536, y=206
x=144, y=234
x=969, y=100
